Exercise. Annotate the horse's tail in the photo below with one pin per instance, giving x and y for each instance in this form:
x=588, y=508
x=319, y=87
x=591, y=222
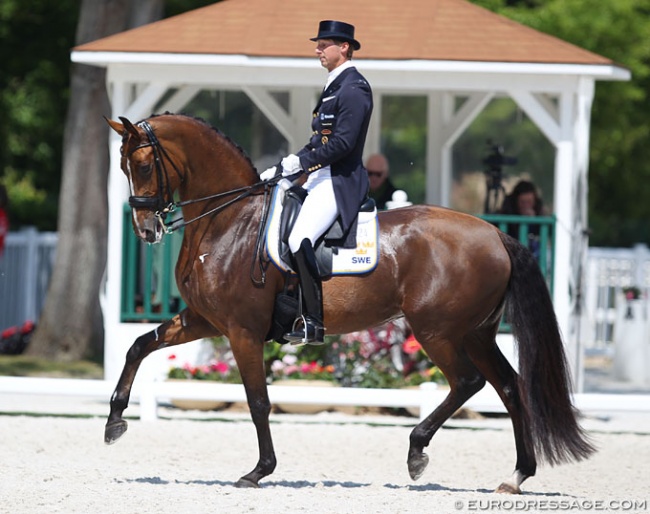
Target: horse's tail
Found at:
x=544, y=382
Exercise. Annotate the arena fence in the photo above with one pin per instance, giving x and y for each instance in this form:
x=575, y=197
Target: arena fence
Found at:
x=25, y=269
x=149, y=394
x=624, y=268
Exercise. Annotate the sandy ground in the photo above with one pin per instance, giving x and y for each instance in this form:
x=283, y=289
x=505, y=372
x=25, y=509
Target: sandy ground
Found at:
x=327, y=463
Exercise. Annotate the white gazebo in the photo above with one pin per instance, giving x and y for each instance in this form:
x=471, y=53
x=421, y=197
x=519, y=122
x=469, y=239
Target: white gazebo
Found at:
x=457, y=54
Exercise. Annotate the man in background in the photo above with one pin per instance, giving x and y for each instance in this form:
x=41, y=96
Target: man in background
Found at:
x=381, y=188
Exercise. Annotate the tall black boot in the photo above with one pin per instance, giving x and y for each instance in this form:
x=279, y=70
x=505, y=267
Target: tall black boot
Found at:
x=309, y=327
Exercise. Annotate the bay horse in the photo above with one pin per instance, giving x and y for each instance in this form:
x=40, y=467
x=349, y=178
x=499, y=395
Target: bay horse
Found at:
x=451, y=275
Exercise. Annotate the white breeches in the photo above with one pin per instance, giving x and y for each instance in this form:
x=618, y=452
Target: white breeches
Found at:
x=318, y=212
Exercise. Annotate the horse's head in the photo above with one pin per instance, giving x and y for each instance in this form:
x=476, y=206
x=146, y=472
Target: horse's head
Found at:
x=153, y=177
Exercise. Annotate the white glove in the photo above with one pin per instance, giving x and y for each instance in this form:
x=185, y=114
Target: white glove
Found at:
x=268, y=173
x=284, y=185
x=291, y=165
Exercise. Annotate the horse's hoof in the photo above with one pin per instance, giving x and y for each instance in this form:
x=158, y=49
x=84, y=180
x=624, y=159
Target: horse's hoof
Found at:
x=417, y=465
x=244, y=482
x=114, y=431
x=506, y=488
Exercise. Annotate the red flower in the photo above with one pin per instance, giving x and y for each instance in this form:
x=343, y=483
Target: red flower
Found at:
x=411, y=345
x=27, y=327
x=9, y=332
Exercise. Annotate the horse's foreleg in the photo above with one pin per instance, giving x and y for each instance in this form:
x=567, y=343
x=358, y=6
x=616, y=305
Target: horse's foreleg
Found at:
x=464, y=381
x=249, y=354
x=182, y=328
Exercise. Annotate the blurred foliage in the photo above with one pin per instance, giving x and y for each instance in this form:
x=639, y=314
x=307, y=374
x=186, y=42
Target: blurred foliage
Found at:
x=35, y=41
x=34, y=92
x=36, y=37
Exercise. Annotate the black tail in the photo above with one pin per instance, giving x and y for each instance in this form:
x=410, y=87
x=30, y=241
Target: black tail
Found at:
x=544, y=380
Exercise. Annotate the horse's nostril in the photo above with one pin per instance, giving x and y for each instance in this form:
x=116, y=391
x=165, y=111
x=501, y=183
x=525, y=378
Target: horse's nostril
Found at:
x=149, y=236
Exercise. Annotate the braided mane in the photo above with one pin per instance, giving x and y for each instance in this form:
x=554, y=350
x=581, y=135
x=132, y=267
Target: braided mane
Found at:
x=222, y=135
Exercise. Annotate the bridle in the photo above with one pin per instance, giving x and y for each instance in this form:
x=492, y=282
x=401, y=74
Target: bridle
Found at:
x=157, y=203
x=163, y=204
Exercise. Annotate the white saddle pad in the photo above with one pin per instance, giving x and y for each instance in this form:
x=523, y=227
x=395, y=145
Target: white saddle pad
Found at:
x=353, y=261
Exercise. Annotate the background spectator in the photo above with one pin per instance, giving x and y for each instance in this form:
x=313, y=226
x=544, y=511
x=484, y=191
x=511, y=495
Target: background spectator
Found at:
x=524, y=200
x=381, y=188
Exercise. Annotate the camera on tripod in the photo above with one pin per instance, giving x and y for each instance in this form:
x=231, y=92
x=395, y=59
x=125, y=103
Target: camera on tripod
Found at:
x=494, y=163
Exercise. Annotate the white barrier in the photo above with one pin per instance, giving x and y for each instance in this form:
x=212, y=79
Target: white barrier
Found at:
x=427, y=397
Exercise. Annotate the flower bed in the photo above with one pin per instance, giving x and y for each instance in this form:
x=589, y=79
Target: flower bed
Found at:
x=383, y=357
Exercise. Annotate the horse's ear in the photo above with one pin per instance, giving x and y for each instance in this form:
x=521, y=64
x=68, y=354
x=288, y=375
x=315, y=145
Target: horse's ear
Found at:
x=130, y=127
x=116, y=126
x=121, y=128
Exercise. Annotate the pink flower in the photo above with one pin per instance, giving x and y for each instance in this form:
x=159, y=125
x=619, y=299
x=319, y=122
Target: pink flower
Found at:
x=221, y=367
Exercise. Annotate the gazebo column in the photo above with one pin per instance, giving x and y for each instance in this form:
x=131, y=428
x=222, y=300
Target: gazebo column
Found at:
x=438, y=159
x=580, y=122
x=445, y=124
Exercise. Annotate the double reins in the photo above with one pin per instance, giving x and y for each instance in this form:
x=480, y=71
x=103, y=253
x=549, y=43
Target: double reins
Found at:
x=162, y=207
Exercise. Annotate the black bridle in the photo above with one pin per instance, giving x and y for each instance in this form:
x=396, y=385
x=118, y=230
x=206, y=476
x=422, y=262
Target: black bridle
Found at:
x=163, y=204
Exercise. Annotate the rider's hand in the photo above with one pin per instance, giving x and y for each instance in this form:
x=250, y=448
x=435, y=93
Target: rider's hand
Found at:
x=268, y=173
x=291, y=165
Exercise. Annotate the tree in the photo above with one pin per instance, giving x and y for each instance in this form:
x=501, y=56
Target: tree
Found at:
x=619, y=167
x=70, y=326
x=33, y=101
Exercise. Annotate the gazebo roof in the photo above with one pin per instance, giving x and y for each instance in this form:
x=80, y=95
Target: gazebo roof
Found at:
x=408, y=30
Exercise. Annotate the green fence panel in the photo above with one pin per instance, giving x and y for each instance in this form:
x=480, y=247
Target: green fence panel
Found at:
x=149, y=292
x=535, y=232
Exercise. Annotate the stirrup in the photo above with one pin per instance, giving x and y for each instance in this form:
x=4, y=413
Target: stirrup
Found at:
x=310, y=332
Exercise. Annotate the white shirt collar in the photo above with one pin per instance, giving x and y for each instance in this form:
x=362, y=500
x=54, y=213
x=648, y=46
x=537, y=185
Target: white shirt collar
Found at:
x=331, y=76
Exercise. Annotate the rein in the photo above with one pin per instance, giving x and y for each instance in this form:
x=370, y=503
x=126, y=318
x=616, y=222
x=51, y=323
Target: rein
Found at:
x=162, y=208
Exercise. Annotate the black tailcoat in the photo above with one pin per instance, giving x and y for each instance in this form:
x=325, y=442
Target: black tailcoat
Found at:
x=339, y=129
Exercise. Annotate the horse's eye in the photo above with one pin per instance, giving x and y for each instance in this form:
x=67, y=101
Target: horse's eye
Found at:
x=144, y=168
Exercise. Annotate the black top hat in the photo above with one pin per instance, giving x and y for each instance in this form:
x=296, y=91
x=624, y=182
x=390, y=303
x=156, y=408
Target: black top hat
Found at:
x=330, y=29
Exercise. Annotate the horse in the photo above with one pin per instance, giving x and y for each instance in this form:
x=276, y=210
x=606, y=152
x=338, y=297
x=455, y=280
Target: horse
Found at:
x=451, y=275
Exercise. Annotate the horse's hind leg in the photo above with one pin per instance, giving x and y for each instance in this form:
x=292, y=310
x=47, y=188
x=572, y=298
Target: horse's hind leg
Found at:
x=487, y=357
x=464, y=381
x=182, y=328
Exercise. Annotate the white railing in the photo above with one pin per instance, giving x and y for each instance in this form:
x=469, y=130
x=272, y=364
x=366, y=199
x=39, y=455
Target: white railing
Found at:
x=609, y=270
x=150, y=394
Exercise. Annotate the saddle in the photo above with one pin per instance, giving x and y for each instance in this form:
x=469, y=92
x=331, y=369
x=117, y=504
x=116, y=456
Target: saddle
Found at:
x=332, y=258
x=330, y=244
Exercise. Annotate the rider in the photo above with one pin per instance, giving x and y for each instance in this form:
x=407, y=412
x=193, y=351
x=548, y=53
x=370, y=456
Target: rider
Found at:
x=337, y=182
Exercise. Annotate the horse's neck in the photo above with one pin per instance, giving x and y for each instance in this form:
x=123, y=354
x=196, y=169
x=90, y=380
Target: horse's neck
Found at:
x=222, y=217
x=218, y=179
